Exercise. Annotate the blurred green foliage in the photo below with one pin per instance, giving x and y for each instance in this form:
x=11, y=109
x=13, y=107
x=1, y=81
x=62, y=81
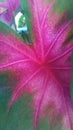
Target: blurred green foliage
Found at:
x=25, y=6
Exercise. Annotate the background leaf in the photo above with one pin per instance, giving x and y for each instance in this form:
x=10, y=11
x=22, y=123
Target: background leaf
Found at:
x=25, y=6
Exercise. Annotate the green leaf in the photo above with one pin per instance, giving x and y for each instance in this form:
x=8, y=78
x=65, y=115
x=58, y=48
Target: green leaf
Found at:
x=5, y=29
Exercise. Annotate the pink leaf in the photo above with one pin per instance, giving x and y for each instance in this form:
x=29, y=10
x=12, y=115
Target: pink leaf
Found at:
x=44, y=67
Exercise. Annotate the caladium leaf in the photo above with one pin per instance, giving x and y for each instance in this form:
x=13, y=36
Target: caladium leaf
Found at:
x=43, y=68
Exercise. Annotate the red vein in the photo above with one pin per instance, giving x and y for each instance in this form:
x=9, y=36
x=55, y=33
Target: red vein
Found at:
x=61, y=56
x=19, y=50
x=13, y=63
x=58, y=35
x=40, y=103
x=39, y=29
x=46, y=12
x=22, y=85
